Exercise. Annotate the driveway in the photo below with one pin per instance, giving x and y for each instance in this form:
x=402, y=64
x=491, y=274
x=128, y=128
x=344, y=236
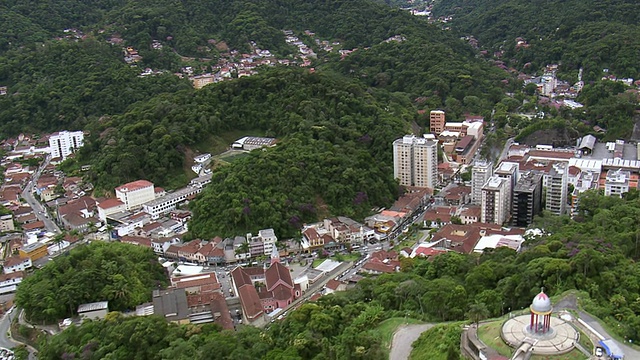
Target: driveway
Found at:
x=403, y=338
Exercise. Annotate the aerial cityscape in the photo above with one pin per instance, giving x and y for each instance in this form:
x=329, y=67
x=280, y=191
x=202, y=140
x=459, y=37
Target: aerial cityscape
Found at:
x=403, y=180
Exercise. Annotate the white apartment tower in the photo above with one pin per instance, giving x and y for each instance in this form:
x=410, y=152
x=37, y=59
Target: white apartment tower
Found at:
x=481, y=171
x=557, y=188
x=415, y=161
x=495, y=201
x=64, y=143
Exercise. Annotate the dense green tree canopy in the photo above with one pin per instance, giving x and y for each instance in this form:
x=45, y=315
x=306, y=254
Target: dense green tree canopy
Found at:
x=122, y=274
x=591, y=34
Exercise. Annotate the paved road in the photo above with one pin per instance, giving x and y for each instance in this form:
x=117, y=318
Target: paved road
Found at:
x=571, y=302
x=629, y=353
x=403, y=338
x=37, y=207
x=5, y=340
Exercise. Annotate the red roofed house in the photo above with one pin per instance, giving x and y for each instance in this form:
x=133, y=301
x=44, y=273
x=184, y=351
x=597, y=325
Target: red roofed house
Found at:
x=15, y=263
x=78, y=214
x=382, y=262
x=135, y=193
x=313, y=238
x=333, y=286
x=189, y=251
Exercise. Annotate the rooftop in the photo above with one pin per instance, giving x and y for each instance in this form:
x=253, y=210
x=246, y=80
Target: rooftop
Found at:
x=134, y=185
x=100, y=305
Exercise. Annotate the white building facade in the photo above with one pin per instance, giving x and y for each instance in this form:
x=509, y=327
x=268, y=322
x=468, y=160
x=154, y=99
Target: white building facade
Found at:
x=64, y=143
x=481, y=171
x=136, y=193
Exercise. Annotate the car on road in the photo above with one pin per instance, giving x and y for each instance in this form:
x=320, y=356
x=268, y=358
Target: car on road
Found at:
x=599, y=352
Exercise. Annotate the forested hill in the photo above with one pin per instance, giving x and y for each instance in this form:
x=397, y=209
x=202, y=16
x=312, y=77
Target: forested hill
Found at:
x=592, y=34
x=189, y=24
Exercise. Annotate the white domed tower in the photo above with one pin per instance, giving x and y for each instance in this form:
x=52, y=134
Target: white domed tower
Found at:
x=540, y=314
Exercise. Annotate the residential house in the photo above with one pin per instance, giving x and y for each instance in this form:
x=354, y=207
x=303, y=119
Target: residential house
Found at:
x=470, y=214
x=189, y=251
x=382, y=262
x=334, y=286
x=15, y=263
x=160, y=246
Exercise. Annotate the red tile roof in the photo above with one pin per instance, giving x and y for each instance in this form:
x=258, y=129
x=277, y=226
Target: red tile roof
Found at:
x=276, y=273
x=33, y=225
x=110, y=203
x=333, y=284
x=220, y=311
x=134, y=185
x=13, y=260
x=250, y=301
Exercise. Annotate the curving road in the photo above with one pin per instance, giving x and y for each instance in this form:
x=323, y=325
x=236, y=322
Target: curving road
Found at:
x=5, y=340
x=403, y=338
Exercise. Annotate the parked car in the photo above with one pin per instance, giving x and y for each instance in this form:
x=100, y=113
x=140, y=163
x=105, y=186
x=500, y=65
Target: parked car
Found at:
x=599, y=352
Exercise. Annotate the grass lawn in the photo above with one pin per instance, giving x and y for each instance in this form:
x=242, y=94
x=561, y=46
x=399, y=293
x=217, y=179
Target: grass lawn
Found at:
x=387, y=328
x=490, y=335
x=317, y=262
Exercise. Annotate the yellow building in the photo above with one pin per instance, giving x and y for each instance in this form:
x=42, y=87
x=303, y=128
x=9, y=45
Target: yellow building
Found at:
x=33, y=251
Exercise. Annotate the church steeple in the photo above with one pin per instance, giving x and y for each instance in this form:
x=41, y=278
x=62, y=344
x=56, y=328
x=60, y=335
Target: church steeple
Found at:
x=275, y=255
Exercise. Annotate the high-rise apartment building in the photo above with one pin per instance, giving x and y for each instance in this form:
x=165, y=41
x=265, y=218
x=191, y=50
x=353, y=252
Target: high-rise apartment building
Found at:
x=481, y=171
x=64, y=143
x=436, y=121
x=415, y=161
x=495, y=201
x=527, y=199
x=557, y=188
x=511, y=172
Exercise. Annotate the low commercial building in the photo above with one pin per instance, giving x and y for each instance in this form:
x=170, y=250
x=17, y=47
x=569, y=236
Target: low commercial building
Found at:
x=165, y=204
x=95, y=310
x=172, y=305
x=33, y=251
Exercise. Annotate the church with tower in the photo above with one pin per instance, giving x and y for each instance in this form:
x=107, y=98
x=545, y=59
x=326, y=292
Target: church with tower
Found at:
x=263, y=290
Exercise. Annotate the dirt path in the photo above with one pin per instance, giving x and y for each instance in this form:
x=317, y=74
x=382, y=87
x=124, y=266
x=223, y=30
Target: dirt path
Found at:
x=404, y=336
